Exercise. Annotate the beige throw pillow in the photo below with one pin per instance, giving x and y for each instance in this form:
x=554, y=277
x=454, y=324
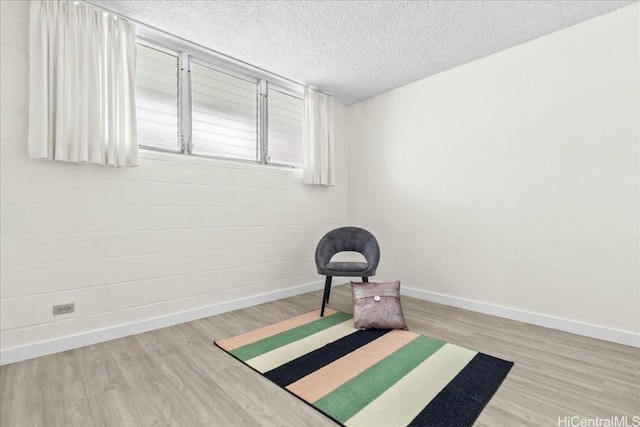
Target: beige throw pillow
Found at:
x=377, y=305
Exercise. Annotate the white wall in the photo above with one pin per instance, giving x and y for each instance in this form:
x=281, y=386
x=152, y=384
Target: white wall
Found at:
x=511, y=184
x=128, y=245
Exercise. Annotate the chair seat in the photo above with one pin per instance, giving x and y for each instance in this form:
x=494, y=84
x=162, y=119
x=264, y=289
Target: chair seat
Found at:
x=346, y=267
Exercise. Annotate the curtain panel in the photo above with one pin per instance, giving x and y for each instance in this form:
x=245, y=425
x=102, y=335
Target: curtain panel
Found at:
x=318, y=144
x=82, y=85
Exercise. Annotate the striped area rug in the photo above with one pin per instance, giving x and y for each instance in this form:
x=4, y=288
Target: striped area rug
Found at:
x=374, y=377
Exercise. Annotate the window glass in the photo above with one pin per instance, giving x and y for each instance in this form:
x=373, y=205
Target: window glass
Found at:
x=224, y=114
x=157, y=99
x=284, y=128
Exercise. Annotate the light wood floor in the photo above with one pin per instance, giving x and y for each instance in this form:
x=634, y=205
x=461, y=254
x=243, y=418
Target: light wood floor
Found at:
x=176, y=376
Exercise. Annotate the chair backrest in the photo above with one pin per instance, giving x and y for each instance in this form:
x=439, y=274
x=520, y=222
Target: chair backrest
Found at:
x=352, y=239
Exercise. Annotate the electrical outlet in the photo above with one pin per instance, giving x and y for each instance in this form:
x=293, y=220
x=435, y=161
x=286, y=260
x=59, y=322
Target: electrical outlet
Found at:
x=64, y=308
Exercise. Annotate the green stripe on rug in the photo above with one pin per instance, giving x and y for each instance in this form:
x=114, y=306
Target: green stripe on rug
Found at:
x=257, y=348
x=348, y=399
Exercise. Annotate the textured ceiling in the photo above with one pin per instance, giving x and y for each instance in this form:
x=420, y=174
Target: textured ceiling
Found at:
x=358, y=49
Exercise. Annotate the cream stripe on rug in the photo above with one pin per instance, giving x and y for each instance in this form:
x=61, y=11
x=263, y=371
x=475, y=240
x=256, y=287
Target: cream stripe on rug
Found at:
x=400, y=404
x=328, y=378
x=267, y=361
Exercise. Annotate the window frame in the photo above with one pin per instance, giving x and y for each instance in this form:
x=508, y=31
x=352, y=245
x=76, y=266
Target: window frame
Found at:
x=189, y=53
x=215, y=67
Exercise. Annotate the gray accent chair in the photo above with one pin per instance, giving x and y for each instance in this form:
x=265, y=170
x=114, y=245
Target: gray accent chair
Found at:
x=343, y=239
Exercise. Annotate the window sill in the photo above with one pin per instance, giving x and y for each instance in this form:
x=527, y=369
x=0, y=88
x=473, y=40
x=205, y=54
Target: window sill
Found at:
x=178, y=158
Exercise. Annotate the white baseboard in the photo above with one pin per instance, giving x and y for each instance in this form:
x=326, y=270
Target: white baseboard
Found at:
x=44, y=348
x=70, y=342
x=572, y=326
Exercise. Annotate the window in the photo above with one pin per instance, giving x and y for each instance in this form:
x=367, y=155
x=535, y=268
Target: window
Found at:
x=157, y=99
x=187, y=105
x=224, y=114
x=284, y=128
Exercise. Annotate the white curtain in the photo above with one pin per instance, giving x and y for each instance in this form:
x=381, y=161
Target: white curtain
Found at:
x=318, y=145
x=82, y=85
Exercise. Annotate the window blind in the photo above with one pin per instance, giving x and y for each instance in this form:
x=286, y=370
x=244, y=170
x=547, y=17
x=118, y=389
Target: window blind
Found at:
x=157, y=99
x=284, y=128
x=224, y=114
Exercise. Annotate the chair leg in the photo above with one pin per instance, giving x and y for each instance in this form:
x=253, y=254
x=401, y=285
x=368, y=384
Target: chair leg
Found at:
x=365, y=279
x=325, y=297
